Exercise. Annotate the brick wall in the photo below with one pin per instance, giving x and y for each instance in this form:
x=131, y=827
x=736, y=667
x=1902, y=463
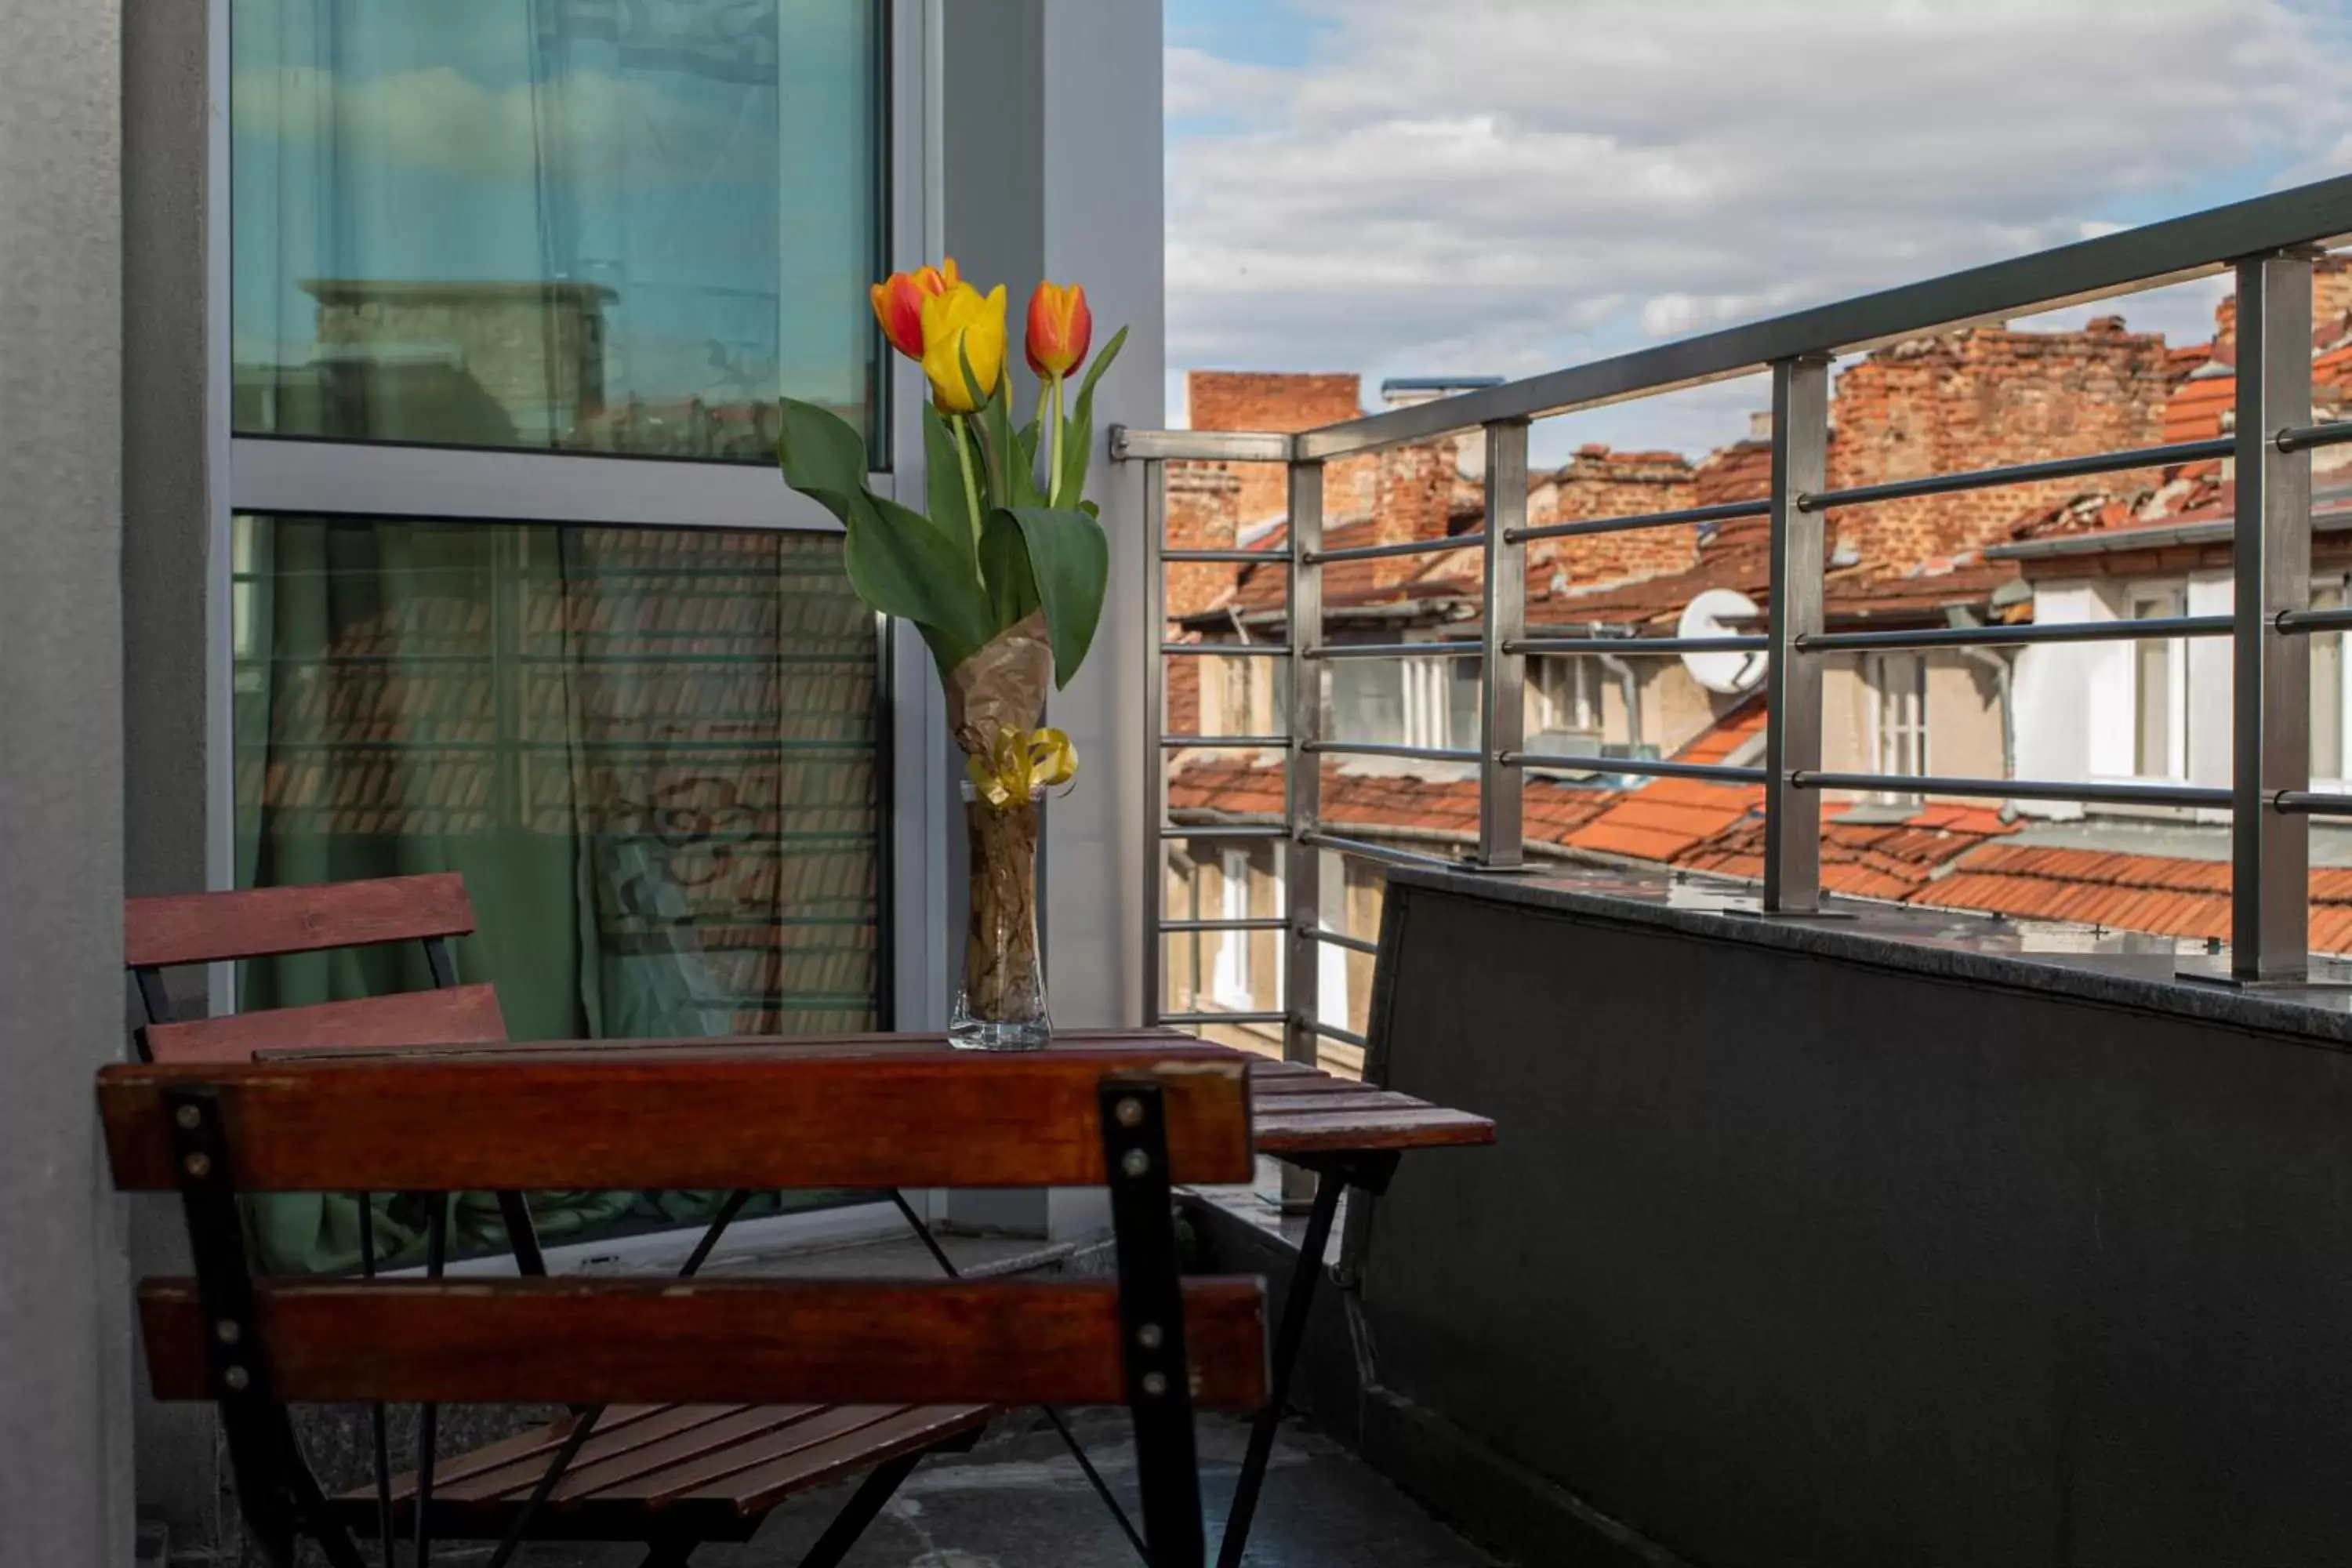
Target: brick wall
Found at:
x=1978, y=398
x=2331, y=297
x=1598, y=482
x=1266, y=400
x=1203, y=513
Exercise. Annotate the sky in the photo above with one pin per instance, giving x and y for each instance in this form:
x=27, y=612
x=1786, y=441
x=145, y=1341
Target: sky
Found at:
x=1507, y=187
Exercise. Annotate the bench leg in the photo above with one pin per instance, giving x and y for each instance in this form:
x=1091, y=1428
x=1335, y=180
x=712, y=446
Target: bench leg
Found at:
x=858, y=1511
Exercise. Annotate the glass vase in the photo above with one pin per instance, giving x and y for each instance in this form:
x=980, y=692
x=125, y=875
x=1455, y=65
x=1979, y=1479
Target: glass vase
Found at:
x=1001, y=1006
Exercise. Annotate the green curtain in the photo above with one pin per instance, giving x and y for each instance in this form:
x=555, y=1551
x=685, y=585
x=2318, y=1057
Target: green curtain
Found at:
x=648, y=752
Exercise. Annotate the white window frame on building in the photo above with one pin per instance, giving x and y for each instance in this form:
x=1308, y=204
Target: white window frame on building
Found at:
x=1897, y=683
x=2160, y=721
x=2331, y=719
x=1232, y=978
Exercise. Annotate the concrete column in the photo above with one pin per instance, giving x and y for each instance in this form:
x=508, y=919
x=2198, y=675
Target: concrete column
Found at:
x=1051, y=163
x=65, y=1344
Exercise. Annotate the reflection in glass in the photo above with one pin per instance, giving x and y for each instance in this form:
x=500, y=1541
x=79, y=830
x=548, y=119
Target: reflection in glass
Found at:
x=651, y=754
x=592, y=226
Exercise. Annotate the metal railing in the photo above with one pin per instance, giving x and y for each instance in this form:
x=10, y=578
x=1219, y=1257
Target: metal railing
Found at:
x=2269, y=243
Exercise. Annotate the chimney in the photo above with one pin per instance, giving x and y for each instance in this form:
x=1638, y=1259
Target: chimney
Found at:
x=1407, y=392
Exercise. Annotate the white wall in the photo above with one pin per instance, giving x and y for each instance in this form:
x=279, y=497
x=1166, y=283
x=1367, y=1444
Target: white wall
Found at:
x=2072, y=700
x=65, y=1342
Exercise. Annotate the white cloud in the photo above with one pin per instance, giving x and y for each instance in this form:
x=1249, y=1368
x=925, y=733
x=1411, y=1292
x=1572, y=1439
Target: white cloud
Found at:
x=591, y=125
x=1508, y=185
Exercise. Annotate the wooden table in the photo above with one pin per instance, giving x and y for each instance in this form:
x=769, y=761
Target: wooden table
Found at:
x=1350, y=1134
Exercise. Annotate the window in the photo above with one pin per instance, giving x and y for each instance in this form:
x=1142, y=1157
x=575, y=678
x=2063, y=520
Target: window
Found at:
x=569, y=224
x=2327, y=688
x=1899, y=685
x=652, y=745
x=1567, y=695
x=652, y=753
x=1368, y=700
x=1232, y=982
x=2160, y=694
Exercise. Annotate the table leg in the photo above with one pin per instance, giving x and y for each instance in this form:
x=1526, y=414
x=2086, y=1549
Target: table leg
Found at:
x=1287, y=1341
x=1069, y=1438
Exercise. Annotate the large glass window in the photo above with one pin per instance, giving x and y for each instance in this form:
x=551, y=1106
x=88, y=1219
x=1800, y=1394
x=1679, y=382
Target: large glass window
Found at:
x=653, y=754
x=592, y=226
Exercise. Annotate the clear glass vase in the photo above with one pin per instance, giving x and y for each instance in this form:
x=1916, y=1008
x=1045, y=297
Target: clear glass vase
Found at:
x=1001, y=1006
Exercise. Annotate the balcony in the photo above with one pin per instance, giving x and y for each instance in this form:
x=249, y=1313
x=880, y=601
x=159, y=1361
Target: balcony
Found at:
x=1841, y=1216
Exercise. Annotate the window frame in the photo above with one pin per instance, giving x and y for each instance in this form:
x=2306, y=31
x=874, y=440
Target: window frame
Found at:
x=2169, y=597
x=313, y=477
x=1888, y=733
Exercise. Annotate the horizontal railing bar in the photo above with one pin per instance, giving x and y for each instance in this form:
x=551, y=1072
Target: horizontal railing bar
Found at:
x=1639, y=645
x=1723, y=511
x=2305, y=622
x=1229, y=649
x=2021, y=473
x=1202, y=1019
x=1208, y=830
x=2056, y=631
x=1408, y=547
x=2313, y=802
x=1345, y=1036
x=1129, y=444
x=1224, y=742
x=1245, y=557
x=1352, y=943
x=2175, y=250
x=1318, y=839
x=1376, y=749
x=1396, y=651
x=2017, y=789
x=2306, y=436
x=1270, y=923
x=1645, y=767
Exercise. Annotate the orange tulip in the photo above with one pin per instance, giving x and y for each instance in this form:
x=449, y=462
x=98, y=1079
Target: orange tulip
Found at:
x=899, y=303
x=1060, y=326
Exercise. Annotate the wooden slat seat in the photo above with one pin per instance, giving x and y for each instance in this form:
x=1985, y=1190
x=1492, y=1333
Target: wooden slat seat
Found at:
x=459, y=1014
x=709, y=1472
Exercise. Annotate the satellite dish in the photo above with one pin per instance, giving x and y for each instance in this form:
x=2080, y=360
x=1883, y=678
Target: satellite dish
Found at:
x=1709, y=615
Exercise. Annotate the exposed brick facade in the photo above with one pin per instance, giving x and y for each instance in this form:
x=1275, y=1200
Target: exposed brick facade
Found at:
x=1598, y=482
x=1278, y=401
x=1979, y=398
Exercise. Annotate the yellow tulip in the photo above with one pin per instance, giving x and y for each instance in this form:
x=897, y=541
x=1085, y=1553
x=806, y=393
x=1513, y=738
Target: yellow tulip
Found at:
x=960, y=326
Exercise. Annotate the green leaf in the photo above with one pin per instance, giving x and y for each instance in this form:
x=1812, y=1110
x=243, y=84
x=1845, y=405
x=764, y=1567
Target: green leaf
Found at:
x=1004, y=564
x=1015, y=482
x=1078, y=430
x=819, y=454
x=1069, y=560
x=902, y=566
x=900, y=562
x=943, y=479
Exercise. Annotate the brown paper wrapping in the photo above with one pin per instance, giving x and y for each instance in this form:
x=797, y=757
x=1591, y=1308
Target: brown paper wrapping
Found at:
x=1002, y=687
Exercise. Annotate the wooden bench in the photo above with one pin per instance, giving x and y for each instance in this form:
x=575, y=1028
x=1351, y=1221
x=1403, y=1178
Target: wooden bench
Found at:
x=1134, y=1121
x=710, y=1473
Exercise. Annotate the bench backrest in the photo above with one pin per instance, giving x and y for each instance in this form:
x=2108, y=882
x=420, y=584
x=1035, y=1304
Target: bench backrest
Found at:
x=1136, y=1121
x=173, y=930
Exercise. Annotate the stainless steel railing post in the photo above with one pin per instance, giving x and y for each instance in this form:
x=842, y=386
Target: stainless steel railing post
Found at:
x=1155, y=759
x=2271, y=709
x=1792, y=719
x=1303, y=797
x=1503, y=671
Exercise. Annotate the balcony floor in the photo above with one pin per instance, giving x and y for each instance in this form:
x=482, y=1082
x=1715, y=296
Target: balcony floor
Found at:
x=1017, y=1500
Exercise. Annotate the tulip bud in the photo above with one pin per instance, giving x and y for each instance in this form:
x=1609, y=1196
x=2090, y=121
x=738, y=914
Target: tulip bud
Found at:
x=899, y=303
x=959, y=329
x=1060, y=329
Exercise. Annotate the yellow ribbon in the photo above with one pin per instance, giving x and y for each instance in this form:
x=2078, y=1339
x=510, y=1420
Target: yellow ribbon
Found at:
x=1017, y=766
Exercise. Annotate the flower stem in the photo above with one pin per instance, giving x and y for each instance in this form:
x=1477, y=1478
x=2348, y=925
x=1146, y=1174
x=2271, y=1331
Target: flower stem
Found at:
x=1053, y=463
x=970, y=485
